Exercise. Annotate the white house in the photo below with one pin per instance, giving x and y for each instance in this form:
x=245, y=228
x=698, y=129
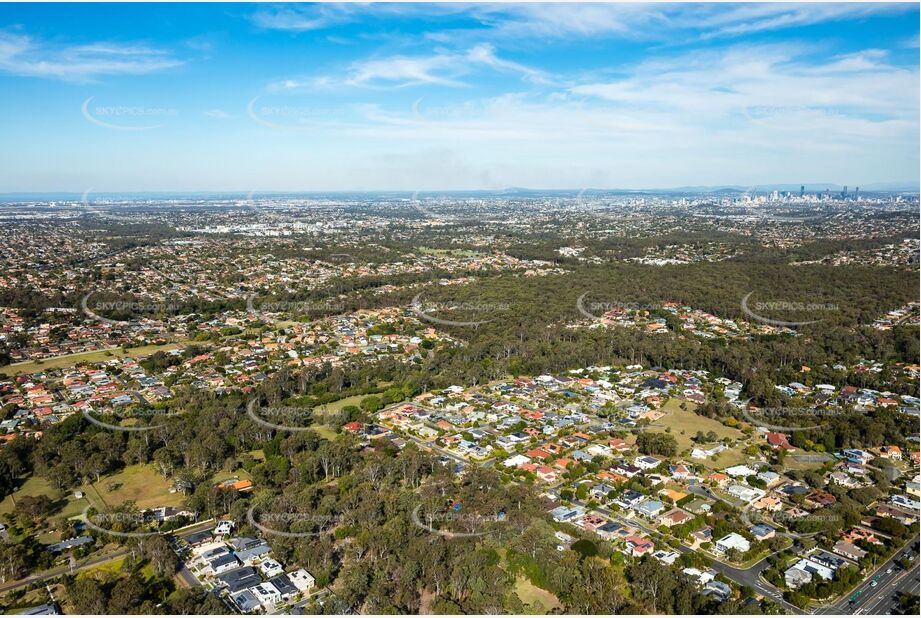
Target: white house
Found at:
x=795, y=577
x=705, y=453
x=646, y=462
x=811, y=568
x=224, y=527
x=267, y=594
x=515, y=461
x=667, y=557
x=906, y=502
x=271, y=568
x=740, y=471
x=745, y=493
x=702, y=577
x=732, y=540
x=302, y=580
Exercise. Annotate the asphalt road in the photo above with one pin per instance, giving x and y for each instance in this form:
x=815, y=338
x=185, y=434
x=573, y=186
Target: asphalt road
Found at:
x=62, y=570
x=881, y=598
x=745, y=577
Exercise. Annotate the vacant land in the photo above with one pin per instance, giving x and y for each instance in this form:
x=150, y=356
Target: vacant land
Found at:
x=34, y=486
x=685, y=424
x=325, y=431
x=141, y=483
x=239, y=473
x=336, y=406
x=538, y=599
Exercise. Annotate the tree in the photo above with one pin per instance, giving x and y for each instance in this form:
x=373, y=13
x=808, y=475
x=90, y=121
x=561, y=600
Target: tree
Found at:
x=12, y=562
x=33, y=508
x=371, y=404
x=157, y=550
x=657, y=444
x=87, y=595
x=598, y=590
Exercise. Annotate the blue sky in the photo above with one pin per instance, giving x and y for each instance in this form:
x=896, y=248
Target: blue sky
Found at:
x=261, y=97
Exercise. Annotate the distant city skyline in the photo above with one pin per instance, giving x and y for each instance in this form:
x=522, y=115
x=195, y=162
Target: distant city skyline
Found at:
x=428, y=97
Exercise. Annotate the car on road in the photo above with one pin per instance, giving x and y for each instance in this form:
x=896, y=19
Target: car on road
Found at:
x=889, y=570
x=873, y=584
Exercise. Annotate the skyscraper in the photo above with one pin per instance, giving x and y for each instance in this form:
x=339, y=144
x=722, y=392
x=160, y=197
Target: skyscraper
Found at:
x=802, y=190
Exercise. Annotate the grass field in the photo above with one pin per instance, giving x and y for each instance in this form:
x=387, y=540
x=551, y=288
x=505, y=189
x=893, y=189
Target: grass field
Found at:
x=337, y=405
x=239, y=473
x=141, y=483
x=104, y=571
x=34, y=486
x=69, y=360
x=325, y=431
x=539, y=600
x=686, y=423
x=792, y=462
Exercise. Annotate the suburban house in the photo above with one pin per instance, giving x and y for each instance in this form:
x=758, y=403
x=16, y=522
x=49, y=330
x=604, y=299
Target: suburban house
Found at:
x=675, y=517
x=733, y=540
x=778, y=440
x=302, y=580
x=639, y=546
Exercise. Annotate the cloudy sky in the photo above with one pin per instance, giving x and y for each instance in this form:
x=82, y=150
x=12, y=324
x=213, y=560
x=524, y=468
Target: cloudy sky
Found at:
x=237, y=97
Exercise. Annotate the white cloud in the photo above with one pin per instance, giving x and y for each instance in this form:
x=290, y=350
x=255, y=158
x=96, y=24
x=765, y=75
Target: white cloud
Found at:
x=25, y=56
x=399, y=71
x=651, y=21
x=302, y=18
x=743, y=19
x=442, y=68
x=745, y=114
x=320, y=16
x=714, y=83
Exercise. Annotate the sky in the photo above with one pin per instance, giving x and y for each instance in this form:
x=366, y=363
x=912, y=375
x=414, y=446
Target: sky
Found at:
x=326, y=97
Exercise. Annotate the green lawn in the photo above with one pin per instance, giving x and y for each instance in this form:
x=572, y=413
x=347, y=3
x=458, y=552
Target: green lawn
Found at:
x=104, y=571
x=794, y=462
x=539, y=600
x=325, y=431
x=37, y=486
x=223, y=475
x=688, y=422
x=34, y=486
x=141, y=483
x=337, y=405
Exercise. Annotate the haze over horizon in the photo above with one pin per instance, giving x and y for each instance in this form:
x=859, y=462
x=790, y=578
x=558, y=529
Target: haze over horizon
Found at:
x=323, y=98
x=812, y=188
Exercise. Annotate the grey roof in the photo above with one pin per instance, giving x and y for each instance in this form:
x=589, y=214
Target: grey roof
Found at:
x=761, y=529
x=240, y=579
x=74, y=542
x=222, y=560
x=42, y=610
x=198, y=537
x=249, y=548
x=246, y=601
x=223, y=550
x=284, y=585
